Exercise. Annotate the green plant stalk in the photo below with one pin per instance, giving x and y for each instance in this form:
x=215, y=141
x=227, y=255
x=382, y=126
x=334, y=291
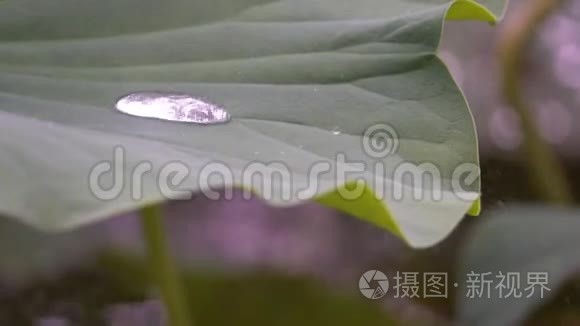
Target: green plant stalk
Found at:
x=544, y=167
x=163, y=268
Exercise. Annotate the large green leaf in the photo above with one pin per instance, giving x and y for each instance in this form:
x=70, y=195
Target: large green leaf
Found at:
x=522, y=241
x=288, y=71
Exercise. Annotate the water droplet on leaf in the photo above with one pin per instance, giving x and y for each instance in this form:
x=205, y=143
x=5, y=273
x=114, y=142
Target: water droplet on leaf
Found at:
x=172, y=107
x=336, y=131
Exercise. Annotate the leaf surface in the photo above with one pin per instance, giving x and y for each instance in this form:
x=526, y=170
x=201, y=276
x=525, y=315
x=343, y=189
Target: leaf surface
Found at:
x=290, y=72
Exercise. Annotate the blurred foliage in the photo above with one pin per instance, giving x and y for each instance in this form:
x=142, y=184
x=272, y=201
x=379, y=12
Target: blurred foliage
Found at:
x=254, y=298
x=80, y=296
x=506, y=243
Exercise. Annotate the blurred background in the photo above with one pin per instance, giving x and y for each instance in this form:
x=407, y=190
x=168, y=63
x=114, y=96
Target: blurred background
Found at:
x=251, y=264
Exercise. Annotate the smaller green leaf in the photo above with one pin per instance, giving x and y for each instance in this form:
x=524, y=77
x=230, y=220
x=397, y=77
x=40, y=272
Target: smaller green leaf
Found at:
x=521, y=241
